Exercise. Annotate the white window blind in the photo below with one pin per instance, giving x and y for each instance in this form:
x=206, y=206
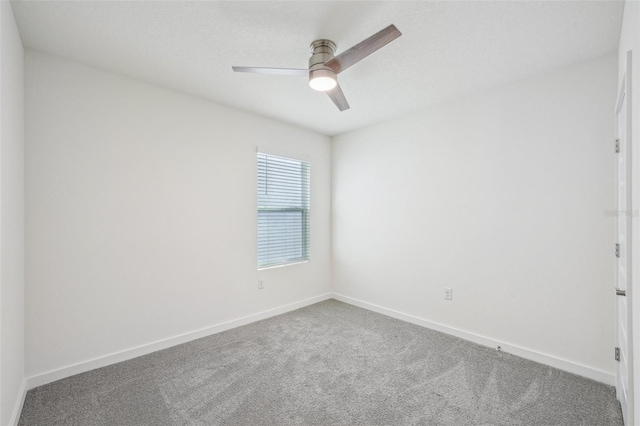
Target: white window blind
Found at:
x=283, y=211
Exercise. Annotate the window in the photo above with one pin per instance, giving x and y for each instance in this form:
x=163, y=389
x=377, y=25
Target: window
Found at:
x=283, y=211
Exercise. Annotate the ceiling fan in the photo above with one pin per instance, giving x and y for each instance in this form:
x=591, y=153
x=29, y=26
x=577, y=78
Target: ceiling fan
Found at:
x=324, y=67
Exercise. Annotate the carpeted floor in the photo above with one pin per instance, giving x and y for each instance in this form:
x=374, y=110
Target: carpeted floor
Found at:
x=326, y=364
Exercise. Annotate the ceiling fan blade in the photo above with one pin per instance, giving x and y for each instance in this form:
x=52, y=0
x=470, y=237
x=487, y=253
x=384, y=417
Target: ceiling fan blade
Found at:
x=302, y=72
x=338, y=98
x=363, y=49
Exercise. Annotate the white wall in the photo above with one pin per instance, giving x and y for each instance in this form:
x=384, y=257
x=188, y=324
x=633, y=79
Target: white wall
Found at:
x=630, y=41
x=141, y=214
x=501, y=196
x=11, y=217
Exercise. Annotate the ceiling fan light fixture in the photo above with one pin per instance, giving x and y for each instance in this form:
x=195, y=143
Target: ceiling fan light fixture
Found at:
x=324, y=66
x=322, y=80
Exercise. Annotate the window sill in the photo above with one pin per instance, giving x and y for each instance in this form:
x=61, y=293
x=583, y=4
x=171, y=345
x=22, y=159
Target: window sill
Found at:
x=283, y=265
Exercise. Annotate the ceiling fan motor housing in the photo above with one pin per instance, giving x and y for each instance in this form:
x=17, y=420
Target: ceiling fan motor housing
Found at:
x=322, y=51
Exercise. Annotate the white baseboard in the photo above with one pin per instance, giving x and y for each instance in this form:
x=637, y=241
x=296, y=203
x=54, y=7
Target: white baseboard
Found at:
x=17, y=409
x=81, y=367
x=559, y=363
x=103, y=361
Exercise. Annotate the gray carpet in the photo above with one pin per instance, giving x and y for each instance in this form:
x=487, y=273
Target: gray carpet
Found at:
x=326, y=364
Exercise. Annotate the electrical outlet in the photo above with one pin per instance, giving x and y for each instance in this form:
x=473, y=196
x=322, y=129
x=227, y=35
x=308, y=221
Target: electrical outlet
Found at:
x=260, y=283
x=448, y=293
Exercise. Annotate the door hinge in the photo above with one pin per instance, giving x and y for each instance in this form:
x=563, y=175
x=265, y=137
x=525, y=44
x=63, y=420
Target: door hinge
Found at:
x=617, y=146
x=617, y=354
x=617, y=250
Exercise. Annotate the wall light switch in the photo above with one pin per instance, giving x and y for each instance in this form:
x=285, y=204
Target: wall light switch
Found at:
x=260, y=283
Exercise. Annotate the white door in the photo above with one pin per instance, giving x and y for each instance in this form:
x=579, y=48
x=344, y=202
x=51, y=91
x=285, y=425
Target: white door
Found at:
x=624, y=373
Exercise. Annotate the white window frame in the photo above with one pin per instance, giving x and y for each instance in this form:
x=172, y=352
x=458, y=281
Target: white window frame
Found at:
x=305, y=211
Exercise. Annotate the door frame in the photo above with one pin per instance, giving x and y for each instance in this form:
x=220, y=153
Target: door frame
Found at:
x=625, y=93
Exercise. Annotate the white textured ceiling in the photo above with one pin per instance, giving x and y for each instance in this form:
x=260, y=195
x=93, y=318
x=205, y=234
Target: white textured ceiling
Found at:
x=447, y=49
